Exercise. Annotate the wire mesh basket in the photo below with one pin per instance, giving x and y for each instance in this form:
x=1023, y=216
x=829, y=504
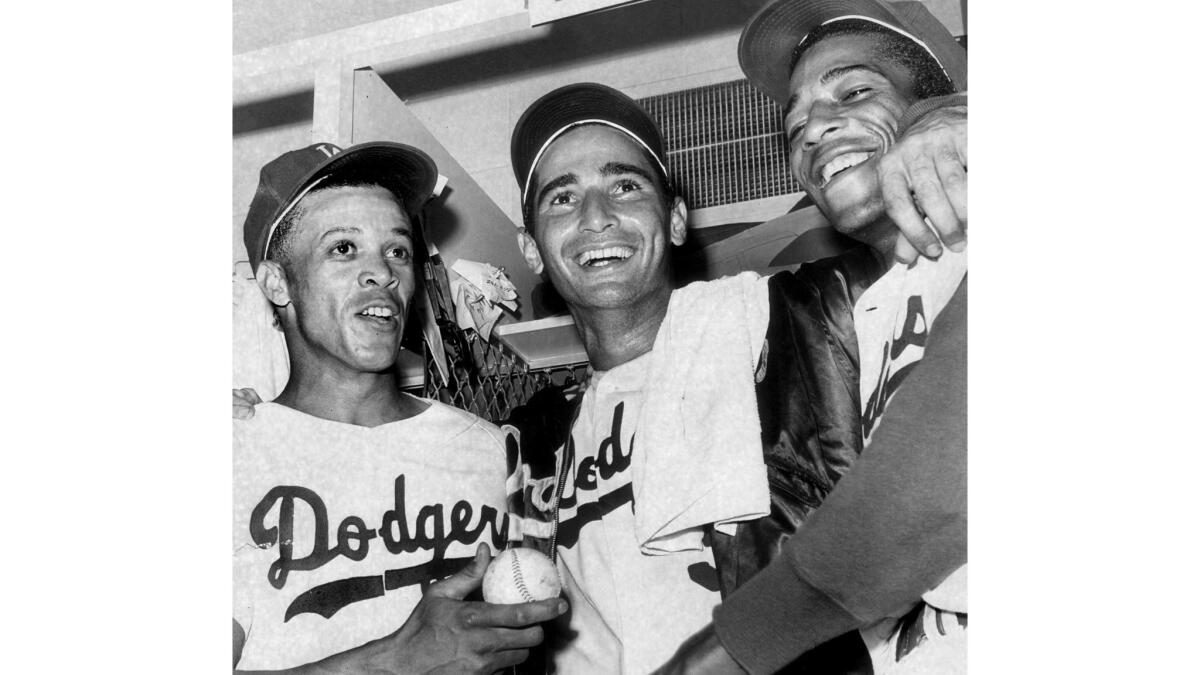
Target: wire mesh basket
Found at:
x=483, y=376
x=486, y=378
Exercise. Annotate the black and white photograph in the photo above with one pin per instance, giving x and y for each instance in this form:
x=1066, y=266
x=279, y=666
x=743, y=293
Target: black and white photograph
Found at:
x=598, y=336
x=584, y=336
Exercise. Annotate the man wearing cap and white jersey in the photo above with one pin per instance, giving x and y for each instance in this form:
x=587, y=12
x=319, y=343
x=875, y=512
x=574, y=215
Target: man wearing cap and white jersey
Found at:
x=886, y=553
x=717, y=416
x=351, y=497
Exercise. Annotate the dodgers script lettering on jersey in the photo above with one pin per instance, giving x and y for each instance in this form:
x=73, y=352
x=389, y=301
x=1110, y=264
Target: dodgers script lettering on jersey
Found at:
x=893, y=319
x=898, y=356
x=610, y=460
x=629, y=609
x=431, y=531
x=338, y=528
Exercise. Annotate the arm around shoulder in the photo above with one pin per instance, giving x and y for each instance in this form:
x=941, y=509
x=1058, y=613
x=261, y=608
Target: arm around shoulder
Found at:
x=897, y=522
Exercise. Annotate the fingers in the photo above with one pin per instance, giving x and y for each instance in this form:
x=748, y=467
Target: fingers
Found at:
x=953, y=176
x=926, y=197
x=898, y=201
x=497, y=635
x=247, y=394
x=445, y=633
x=503, y=647
x=905, y=253
x=508, y=658
x=517, y=638
x=923, y=180
x=515, y=616
x=458, y=585
x=243, y=406
x=931, y=199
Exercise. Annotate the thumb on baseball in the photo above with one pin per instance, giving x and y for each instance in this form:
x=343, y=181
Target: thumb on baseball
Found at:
x=469, y=578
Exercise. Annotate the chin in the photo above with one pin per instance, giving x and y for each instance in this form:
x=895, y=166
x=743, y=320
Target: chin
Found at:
x=852, y=201
x=376, y=361
x=614, y=295
x=858, y=220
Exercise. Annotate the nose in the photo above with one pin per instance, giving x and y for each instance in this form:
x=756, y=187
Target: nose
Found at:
x=823, y=120
x=376, y=272
x=596, y=215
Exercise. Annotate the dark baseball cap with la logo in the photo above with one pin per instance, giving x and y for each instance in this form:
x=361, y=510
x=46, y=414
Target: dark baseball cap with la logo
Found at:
x=285, y=180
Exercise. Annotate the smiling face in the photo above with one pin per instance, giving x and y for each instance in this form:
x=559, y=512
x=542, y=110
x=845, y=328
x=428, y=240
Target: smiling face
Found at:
x=602, y=229
x=349, y=279
x=846, y=103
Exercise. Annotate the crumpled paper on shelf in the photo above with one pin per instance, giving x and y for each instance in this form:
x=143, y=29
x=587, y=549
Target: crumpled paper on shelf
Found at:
x=479, y=291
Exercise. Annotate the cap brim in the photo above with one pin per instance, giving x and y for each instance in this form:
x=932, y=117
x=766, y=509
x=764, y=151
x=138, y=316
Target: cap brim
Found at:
x=769, y=40
x=416, y=173
x=414, y=169
x=571, y=105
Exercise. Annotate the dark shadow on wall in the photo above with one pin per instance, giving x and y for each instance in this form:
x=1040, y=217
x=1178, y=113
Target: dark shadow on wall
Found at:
x=575, y=40
x=273, y=112
x=444, y=223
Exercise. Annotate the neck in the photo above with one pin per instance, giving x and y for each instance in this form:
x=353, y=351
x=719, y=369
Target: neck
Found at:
x=613, y=336
x=881, y=236
x=363, y=399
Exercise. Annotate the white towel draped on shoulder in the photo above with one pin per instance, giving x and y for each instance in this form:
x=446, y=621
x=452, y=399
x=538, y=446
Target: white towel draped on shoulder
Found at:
x=260, y=357
x=699, y=456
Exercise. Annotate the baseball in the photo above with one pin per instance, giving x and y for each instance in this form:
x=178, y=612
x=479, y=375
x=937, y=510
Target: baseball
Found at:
x=520, y=575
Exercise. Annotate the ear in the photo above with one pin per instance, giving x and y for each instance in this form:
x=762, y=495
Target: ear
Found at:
x=273, y=282
x=678, y=222
x=529, y=249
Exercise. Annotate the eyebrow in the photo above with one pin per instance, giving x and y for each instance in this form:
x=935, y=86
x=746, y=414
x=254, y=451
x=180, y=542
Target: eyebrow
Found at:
x=354, y=230
x=565, y=179
x=618, y=168
x=834, y=73
x=339, y=230
x=609, y=169
x=827, y=77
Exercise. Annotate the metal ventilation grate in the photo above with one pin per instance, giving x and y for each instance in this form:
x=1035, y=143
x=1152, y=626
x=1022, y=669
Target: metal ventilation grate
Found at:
x=724, y=143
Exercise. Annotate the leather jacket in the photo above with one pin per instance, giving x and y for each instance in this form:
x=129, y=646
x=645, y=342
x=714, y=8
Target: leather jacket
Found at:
x=808, y=404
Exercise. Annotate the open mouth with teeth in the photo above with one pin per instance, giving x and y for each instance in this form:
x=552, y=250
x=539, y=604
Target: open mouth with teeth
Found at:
x=603, y=257
x=379, y=315
x=841, y=164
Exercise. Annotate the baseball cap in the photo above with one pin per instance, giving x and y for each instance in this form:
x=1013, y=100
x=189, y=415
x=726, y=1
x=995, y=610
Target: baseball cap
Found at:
x=771, y=37
x=284, y=181
x=575, y=105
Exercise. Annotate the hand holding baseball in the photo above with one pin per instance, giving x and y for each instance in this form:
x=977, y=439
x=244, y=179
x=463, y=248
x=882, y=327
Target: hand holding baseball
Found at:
x=446, y=634
x=520, y=575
